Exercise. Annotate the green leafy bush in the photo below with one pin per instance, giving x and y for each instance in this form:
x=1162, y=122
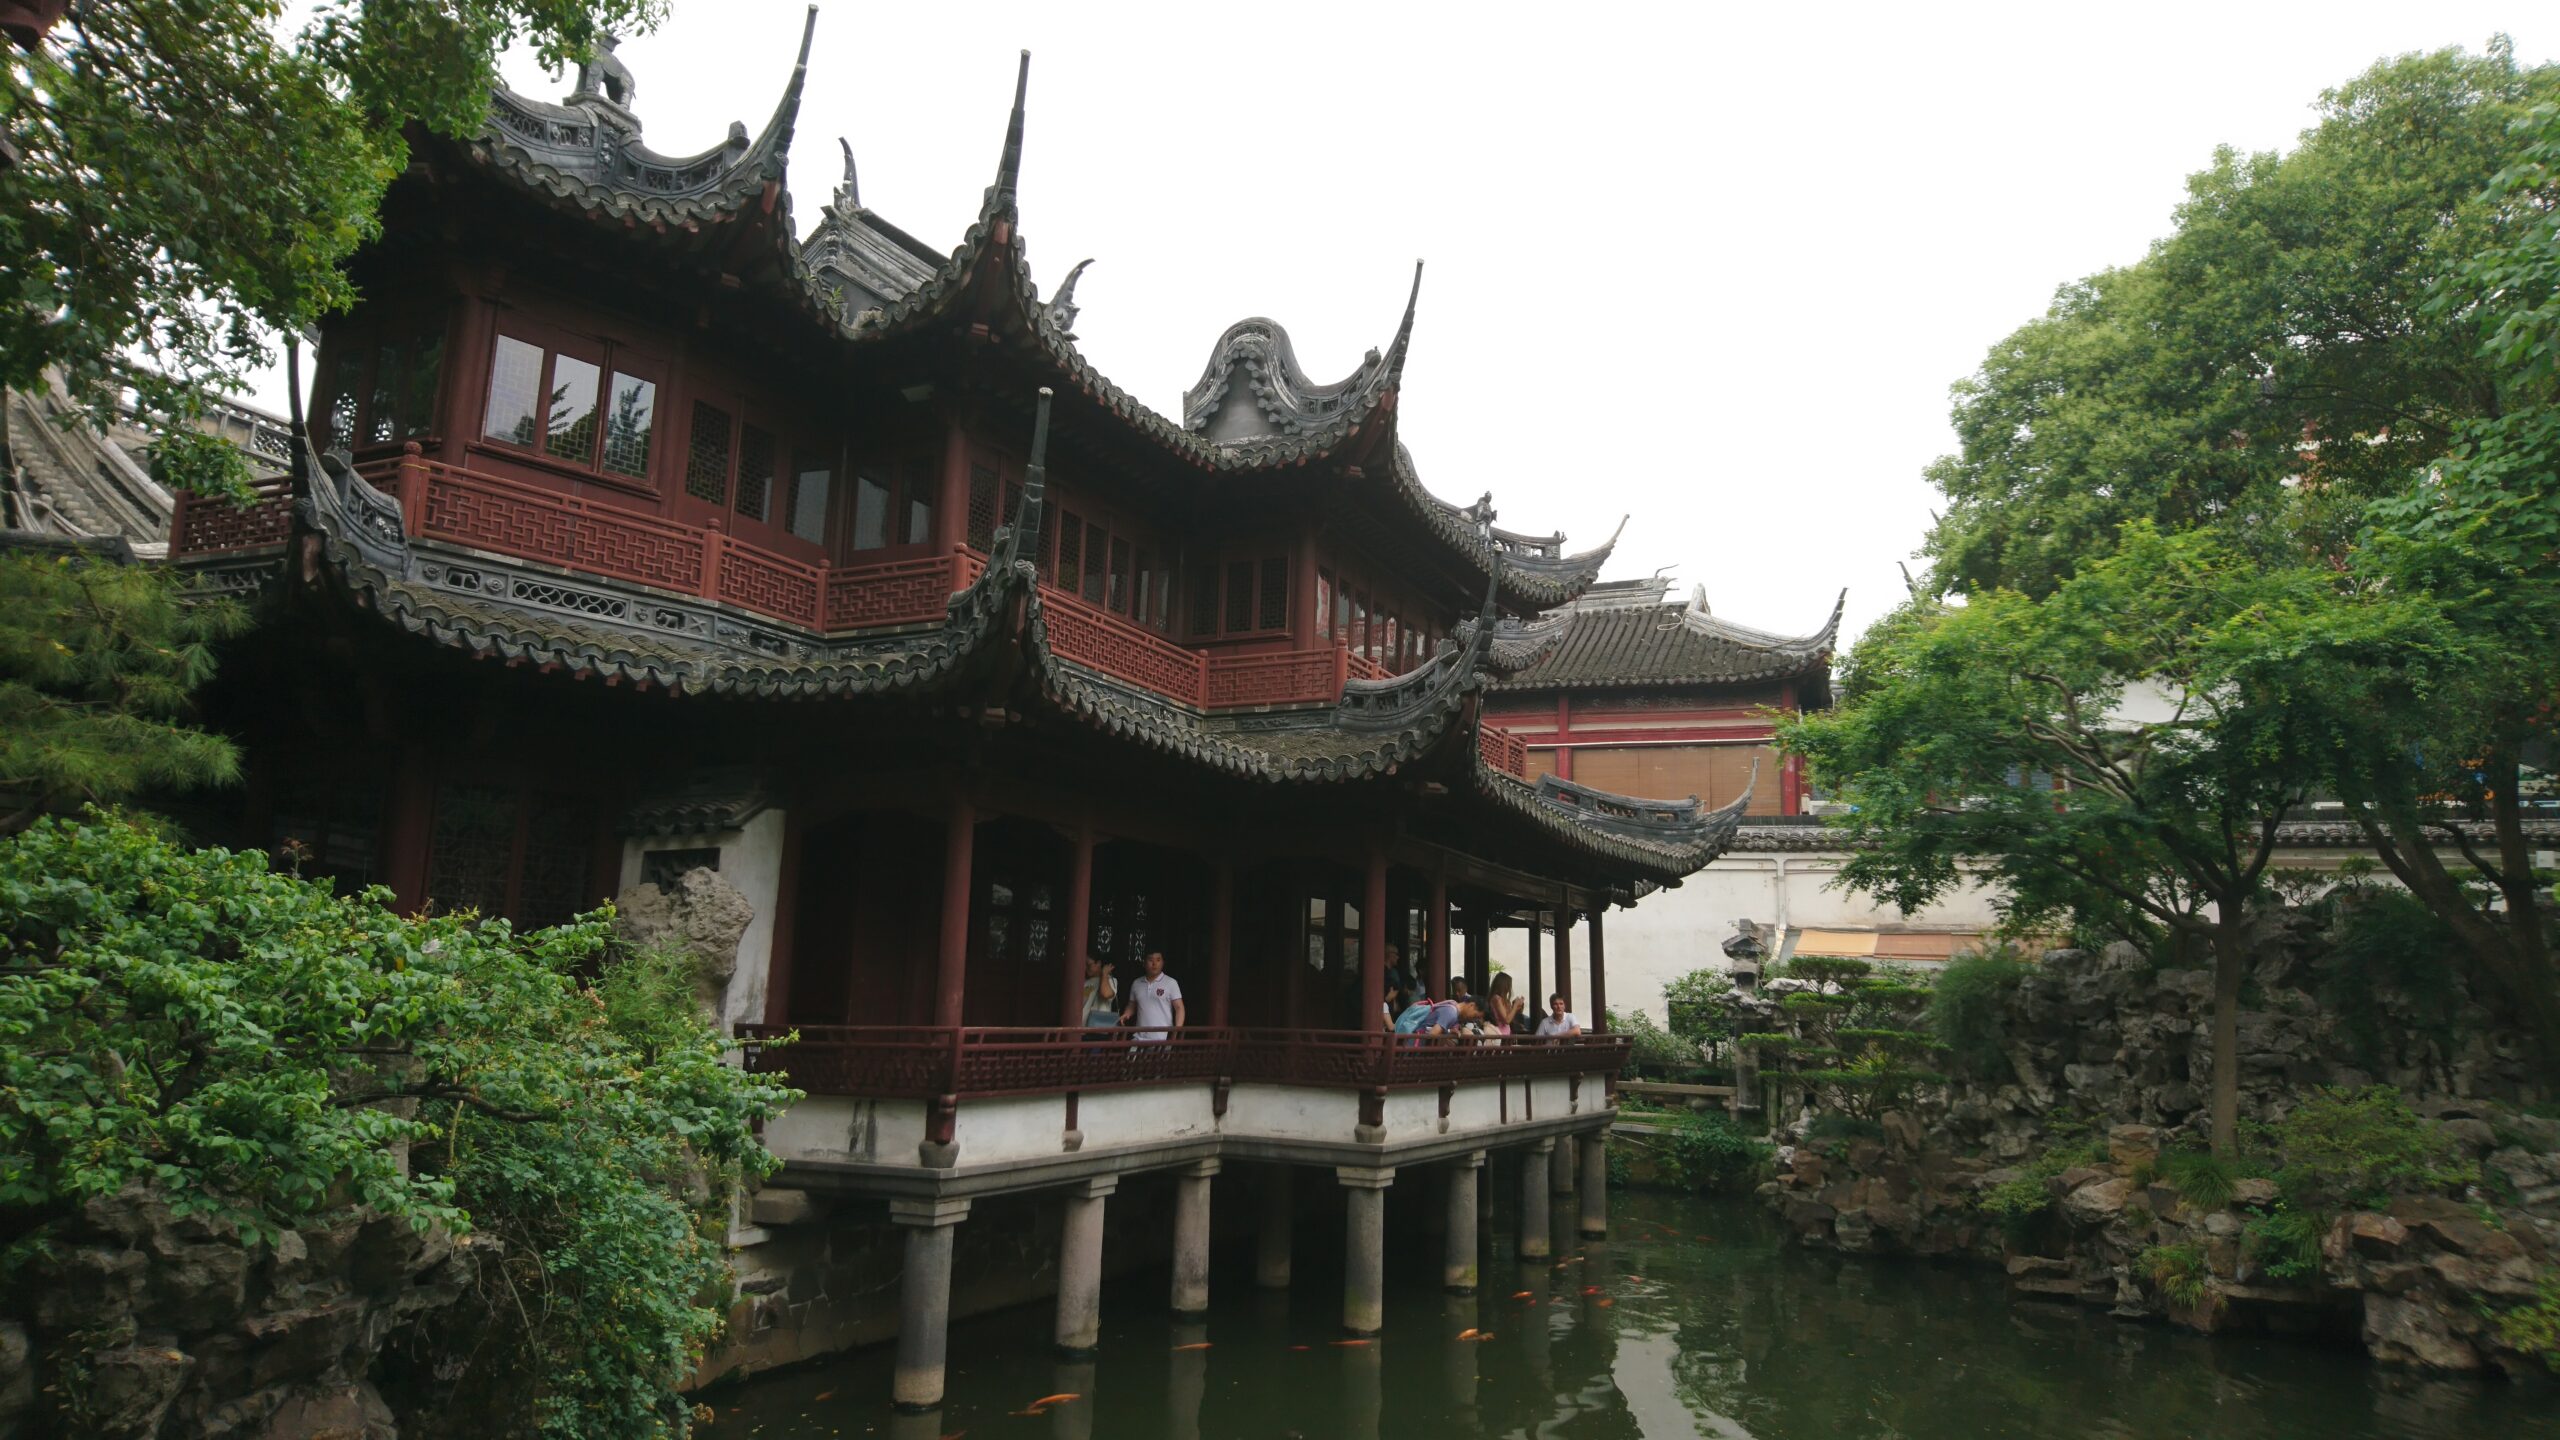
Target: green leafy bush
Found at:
x=1652, y=1052
x=2201, y=1178
x=1710, y=1152
x=2534, y=1328
x=241, y=1040
x=1968, y=1010
x=2028, y=1194
x=2387, y=944
x=2341, y=1149
x=2285, y=1242
x=2182, y=1275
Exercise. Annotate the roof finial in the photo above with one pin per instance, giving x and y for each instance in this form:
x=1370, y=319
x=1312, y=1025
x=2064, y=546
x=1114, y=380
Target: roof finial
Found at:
x=848, y=194
x=808, y=31
x=1009, y=166
x=1024, y=524
x=1062, y=311
x=1404, y=330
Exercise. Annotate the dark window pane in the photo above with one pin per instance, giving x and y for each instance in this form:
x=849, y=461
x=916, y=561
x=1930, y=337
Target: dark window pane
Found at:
x=1097, y=559
x=919, y=502
x=1163, y=617
x=1117, y=593
x=380, y=421
x=1145, y=598
x=1070, y=551
x=469, y=848
x=515, y=393
x=346, y=378
x=418, y=385
x=755, y=472
x=870, y=511
x=570, y=430
x=810, y=490
x=1342, y=614
x=1275, y=593
x=706, y=459
x=1204, y=598
x=1239, y=596
x=982, y=507
x=630, y=419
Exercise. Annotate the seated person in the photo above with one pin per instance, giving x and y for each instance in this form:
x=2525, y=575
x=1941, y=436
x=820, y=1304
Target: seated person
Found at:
x=1412, y=1018
x=1558, y=1020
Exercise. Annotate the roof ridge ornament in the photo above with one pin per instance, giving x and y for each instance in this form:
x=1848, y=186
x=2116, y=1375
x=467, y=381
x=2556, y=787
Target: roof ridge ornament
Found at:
x=607, y=86
x=1007, y=550
x=1062, y=310
x=1004, y=195
x=849, y=189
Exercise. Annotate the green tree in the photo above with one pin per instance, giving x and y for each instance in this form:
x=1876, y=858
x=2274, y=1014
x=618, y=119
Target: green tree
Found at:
x=2119, y=751
x=97, y=660
x=190, y=177
x=2282, y=342
x=260, y=1051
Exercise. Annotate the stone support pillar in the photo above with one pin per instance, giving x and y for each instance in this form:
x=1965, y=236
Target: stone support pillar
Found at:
x=924, y=1298
x=1191, y=1237
x=1364, y=1247
x=1595, y=1183
x=1271, y=1241
x=1533, y=1200
x=1458, y=1269
x=1072, y=1420
x=1560, y=1166
x=1080, y=1268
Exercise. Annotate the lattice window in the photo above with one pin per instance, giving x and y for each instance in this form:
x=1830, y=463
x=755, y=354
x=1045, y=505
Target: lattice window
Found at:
x=558, y=877
x=1116, y=592
x=919, y=501
x=345, y=386
x=569, y=427
x=471, y=847
x=332, y=826
x=755, y=472
x=382, y=415
x=982, y=506
x=1239, y=596
x=1204, y=599
x=1143, y=607
x=1070, y=552
x=631, y=419
x=870, y=510
x=810, y=488
x=1274, y=611
x=706, y=459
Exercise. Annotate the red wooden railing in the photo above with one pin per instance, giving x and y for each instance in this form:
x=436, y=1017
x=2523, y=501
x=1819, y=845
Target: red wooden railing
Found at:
x=446, y=502
x=1502, y=750
x=926, y=1062
x=206, y=525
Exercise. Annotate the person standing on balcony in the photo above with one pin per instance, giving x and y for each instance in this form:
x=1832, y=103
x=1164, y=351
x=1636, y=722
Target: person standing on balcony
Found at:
x=1501, y=1008
x=1101, y=996
x=1155, y=1001
x=1559, y=1020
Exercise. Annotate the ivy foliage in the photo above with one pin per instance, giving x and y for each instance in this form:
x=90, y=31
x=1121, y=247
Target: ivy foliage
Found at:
x=1968, y=1009
x=97, y=660
x=190, y=175
x=256, y=1050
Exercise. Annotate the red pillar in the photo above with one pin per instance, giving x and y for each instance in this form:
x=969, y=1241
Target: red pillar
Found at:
x=1439, y=934
x=959, y=844
x=951, y=515
x=1373, y=941
x=1536, y=999
x=1079, y=924
x=1564, y=957
x=1599, y=978
x=410, y=830
x=1222, y=936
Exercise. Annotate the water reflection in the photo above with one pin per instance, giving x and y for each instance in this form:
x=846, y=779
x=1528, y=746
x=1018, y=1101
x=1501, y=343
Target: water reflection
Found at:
x=1688, y=1321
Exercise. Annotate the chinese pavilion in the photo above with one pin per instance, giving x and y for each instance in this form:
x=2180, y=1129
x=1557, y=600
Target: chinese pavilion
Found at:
x=638, y=534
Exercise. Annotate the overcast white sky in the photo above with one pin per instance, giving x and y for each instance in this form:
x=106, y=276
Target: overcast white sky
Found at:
x=1712, y=266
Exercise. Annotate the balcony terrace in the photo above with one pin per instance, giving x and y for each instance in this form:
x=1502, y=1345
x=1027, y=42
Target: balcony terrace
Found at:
x=491, y=514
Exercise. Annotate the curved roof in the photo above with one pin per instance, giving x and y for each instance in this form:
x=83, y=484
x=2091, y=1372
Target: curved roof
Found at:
x=1625, y=636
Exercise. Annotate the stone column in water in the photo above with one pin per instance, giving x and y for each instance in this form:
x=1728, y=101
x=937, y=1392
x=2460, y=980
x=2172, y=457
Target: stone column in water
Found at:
x=1191, y=1238
x=1188, y=1384
x=1080, y=1267
x=1271, y=1255
x=1533, y=1200
x=924, y=1298
x=1072, y=1419
x=1560, y=1165
x=1458, y=1271
x=1595, y=1183
x=1364, y=1248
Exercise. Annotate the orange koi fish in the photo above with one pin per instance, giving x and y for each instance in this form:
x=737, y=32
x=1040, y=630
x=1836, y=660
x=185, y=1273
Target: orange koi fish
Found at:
x=1469, y=1333
x=1519, y=1294
x=1604, y=1304
x=1194, y=1345
x=1352, y=1344
x=1048, y=1400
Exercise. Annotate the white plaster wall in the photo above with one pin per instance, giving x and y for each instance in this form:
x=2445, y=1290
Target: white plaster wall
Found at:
x=1289, y=1112
x=1136, y=1117
x=751, y=861
x=834, y=1127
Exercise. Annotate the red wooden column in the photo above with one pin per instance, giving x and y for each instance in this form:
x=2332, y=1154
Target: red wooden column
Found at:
x=959, y=846
x=1373, y=941
x=1079, y=925
x=1564, y=955
x=1536, y=999
x=1439, y=934
x=1599, y=978
x=951, y=516
x=1222, y=935
x=409, y=836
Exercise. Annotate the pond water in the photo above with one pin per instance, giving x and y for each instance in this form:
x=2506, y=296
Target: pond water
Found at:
x=1689, y=1320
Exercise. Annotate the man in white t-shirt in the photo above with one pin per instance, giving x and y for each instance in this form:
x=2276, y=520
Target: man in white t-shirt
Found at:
x=1155, y=1001
x=1558, y=1020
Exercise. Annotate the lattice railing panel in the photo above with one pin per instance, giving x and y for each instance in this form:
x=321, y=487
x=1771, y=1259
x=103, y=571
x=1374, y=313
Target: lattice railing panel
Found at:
x=1286, y=678
x=1503, y=750
x=1364, y=668
x=897, y=592
x=514, y=520
x=769, y=584
x=1115, y=647
x=204, y=525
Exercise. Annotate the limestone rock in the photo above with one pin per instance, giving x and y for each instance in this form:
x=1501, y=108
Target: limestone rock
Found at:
x=2098, y=1203
x=702, y=914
